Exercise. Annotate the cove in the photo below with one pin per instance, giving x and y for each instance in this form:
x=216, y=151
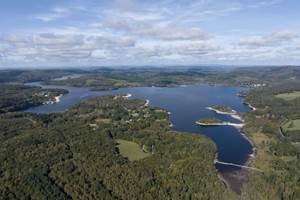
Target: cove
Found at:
x=186, y=104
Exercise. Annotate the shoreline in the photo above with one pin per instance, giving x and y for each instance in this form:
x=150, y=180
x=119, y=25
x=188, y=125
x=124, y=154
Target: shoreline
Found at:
x=239, y=126
x=220, y=176
x=147, y=103
x=232, y=114
x=250, y=106
x=127, y=96
x=222, y=112
x=235, y=115
x=251, y=157
x=56, y=100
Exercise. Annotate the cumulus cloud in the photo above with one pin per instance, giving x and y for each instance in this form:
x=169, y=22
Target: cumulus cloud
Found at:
x=61, y=47
x=70, y=48
x=142, y=32
x=147, y=29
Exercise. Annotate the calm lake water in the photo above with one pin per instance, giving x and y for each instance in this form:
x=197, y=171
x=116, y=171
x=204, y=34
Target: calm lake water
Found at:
x=187, y=104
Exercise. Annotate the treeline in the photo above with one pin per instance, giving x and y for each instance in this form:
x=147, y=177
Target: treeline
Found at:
x=114, y=79
x=256, y=76
x=15, y=97
x=25, y=76
x=74, y=155
x=106, y=79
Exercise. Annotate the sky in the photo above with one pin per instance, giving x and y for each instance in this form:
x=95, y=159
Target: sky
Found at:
x=58, y=33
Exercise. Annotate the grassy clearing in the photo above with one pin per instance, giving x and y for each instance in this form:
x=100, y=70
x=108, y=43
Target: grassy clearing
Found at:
x=293, y=125
x=263, y=159
x=288, y=158
x=131, y=150
x=289, y=96
x=103, y=121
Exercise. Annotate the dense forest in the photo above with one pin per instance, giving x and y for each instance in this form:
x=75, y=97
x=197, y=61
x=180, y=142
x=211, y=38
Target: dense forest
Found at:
x=112, y=148
x=24, y=76
x=107, y=79
x=110, y=78
x=114, y=79
x=14, y=97
x=76, y=155
x=278, y=150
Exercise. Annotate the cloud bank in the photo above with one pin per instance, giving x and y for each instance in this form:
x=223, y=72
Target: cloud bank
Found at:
x=128, y=32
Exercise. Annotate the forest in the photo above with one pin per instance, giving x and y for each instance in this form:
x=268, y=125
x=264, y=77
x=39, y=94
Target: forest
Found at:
x=278, y=149
x=113, y=78
x=25, y=76
x=253, y=77
x=113, y=148
x=15, y=97
x=76, y=155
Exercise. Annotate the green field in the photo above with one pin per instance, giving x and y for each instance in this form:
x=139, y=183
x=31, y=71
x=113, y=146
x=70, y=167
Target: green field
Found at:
x=293, y=125
x=289, y=96
x=131, y=150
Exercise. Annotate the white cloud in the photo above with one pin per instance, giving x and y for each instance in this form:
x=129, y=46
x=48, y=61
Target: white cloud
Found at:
x=70, y=48
x=54, y=14
x=173, y=33
x=272, y=39
x=61, y=47
x=142, y=32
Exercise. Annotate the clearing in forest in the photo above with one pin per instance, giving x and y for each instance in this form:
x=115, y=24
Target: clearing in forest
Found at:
x=289, y=96
x=131, y=150
x=293, y=125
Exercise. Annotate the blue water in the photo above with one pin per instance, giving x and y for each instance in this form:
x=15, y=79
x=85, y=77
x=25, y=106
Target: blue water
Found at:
x=187, y=104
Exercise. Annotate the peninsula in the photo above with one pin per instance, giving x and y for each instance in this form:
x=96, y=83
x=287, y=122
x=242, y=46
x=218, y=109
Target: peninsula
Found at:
x=216, y=122
x=224, y=110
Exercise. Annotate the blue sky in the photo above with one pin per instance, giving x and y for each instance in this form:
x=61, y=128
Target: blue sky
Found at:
x=59, y=33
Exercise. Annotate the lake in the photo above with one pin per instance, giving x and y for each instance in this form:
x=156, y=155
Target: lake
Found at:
x=187, y=104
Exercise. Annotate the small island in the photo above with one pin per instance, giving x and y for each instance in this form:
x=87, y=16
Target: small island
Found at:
x=210, y=121
x=220, y=109
x=225, y=110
